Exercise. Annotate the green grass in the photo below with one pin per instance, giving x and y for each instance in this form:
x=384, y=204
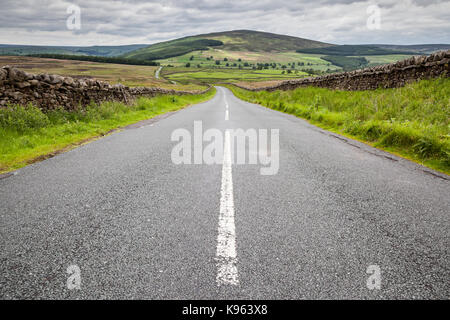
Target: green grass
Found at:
x=413, y=121
x=27, y=134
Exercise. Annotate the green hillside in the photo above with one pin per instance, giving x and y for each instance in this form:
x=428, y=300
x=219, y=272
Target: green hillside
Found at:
x=353, y=50
x=239, y=40
x=103, y=51
x=256, y=41
x=172, y=48
x=416, y=48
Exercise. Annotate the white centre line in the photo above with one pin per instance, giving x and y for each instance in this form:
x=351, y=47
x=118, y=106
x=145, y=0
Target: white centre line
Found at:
x=227, y=113
x=227, y=273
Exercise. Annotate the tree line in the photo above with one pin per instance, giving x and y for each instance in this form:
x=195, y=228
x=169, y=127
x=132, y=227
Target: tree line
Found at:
x=116, y=60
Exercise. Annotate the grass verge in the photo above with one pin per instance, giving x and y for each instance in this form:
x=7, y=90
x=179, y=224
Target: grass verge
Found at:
x=412, y=121
x=28, y=135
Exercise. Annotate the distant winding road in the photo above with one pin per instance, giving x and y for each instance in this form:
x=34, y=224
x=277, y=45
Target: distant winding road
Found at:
x=139, y=226
x=157, y=72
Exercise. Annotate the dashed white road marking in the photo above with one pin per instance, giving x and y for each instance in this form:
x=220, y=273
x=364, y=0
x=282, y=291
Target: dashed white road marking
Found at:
x=157, y=72
x=227, y=113
x=226, y=257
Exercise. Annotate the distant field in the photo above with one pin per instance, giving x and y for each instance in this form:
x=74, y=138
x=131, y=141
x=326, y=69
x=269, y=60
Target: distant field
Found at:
x=289, y=59
x=113, y=73
x=375, y=60
x=203, y=67
x=258, y=84
x=188, y=75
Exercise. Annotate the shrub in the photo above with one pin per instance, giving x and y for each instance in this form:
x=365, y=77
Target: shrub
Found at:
x=22, y=118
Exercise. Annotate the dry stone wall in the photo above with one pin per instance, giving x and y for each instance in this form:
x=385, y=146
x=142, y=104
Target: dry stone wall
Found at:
x=384, y=76
x=51, y=91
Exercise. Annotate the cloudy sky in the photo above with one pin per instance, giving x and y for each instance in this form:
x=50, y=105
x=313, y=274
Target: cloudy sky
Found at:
x=115, y=22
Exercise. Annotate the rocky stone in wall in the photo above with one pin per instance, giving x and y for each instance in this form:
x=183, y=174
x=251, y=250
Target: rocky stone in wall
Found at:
x=384, y=76
x=54, y=91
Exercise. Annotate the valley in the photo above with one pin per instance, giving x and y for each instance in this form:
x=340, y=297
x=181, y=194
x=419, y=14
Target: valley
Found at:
x=239, y=55
x=240, y=165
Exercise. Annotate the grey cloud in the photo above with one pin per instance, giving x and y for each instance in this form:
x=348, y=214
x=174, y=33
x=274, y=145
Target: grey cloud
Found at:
x=139, y=21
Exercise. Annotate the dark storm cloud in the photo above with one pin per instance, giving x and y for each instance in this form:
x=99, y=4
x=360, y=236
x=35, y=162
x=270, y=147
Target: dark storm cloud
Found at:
x=138, y=21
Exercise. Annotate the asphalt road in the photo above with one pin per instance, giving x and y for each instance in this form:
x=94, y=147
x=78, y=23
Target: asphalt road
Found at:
x=139, y=226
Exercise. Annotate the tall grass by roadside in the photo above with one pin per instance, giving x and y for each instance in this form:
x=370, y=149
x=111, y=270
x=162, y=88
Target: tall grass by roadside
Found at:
x=27, y=133
x=413, y=121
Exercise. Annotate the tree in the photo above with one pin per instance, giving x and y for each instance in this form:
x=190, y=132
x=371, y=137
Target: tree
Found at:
x=217, y=62
x=191, y=58
x=225, y=59
x=188, y=65
x=239, y=59
x=227, y=64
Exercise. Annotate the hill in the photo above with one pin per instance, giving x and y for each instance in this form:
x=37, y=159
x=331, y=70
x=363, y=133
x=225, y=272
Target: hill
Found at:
x=172, y=48
x=238, y=40
x=257, y=41
x=102, y=51
x=416, y=48
x=355, y=50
